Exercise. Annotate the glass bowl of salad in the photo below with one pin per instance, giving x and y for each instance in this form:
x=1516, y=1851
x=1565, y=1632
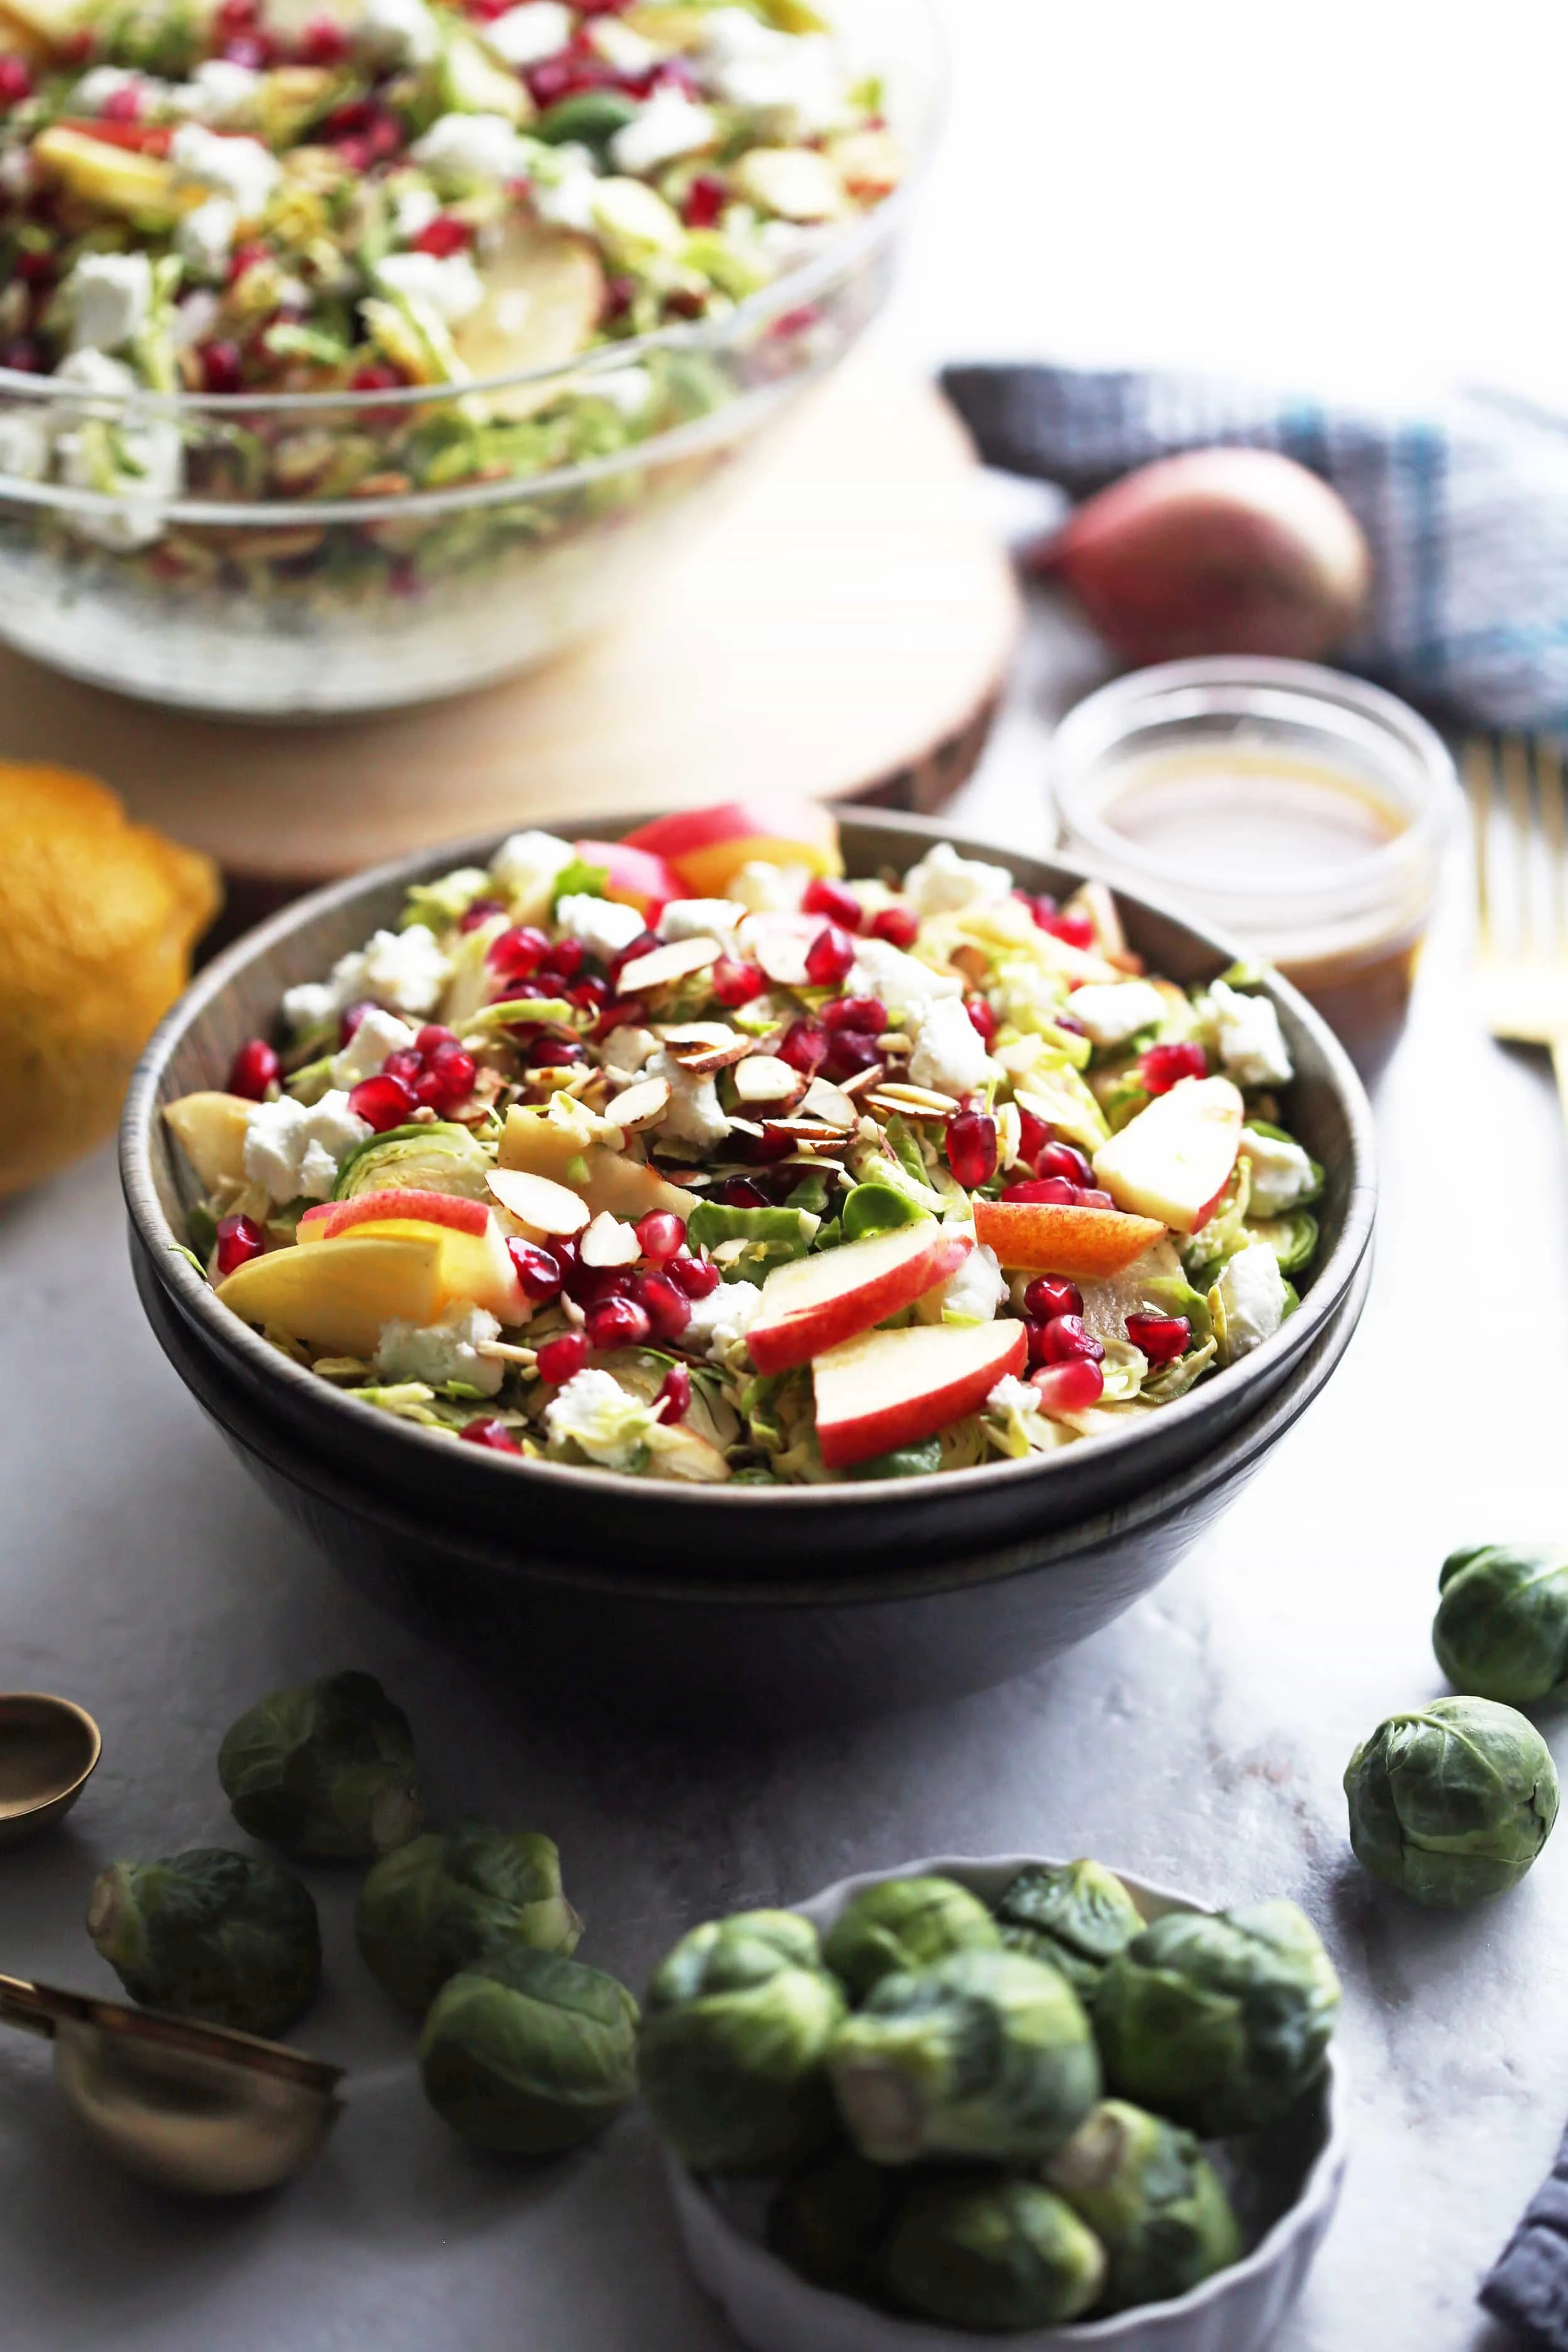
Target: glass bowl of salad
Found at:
x=759, y=1208
x=356, y=355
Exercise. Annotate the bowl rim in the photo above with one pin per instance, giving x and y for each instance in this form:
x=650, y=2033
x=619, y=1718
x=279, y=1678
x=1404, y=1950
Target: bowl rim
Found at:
x=925, y=40
x=1317, y=2197
x=195, y=1294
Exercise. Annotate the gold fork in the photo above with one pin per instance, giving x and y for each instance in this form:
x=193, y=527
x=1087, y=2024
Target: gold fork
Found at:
x=1515, y=788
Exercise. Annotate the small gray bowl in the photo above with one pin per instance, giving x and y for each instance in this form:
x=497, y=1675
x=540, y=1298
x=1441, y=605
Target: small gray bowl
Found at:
x=1299, y=2162
x=847, y=1595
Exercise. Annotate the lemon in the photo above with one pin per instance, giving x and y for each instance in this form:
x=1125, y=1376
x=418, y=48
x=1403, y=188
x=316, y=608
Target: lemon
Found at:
x=98, y=918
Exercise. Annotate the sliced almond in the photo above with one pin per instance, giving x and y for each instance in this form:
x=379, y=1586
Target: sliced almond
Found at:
x=779, y=942
x=661, y=966
x=642, y=1105
x=925, y=1098
x=894, y=1107
x=763, y=1079
x=698, y=1034
x=745, y=1125
x=728, y=1251
x=538, y=1201
x=828, y=1103
x=861, y=1082
x=805, y=1130
x=609, y=1241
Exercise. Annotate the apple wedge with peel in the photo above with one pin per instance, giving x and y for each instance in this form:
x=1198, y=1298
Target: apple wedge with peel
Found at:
x=706, y=846
x=633, y=876
x=888, y=1389
x=1054, y=1237
x=815, y=1303
x=1173, y=1160
x=475, y=1264
x=211, y=1129
x=335, y=1296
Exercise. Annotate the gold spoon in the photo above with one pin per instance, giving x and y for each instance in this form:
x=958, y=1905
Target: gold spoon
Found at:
x=48, y=1748
x=193, y=2107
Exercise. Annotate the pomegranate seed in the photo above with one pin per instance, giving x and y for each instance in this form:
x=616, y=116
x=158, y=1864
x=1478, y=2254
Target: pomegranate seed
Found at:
x=483, y=910
x=1164, y=1066
x=865, y=1012
x=590, y=995
x=519, y=952
x=239, y=1239
x=1162, y=1337
x=660, y=1235
x=1042, y=906
x=804, y=1047
x=493, y=1433
x=447, y=1085
x=695, y=1276
x=562, y=1358
x=245, y=258
x=1070, y=1387
x=384, y=139
x=404, y=1062
x=349, y=1021
x=1036, y=1335
x=898, y=925
x=1052, y=1294
x=850, y=1051
x=15, y=81
x=739, y=1192
x=255, y=1067
x=442, y=236
x=539, y=1273
x=555, y=1053
x=432, y=1034
x=982, y=1018
x=122, y=105
x=382, y=1102
x=1090, y=1198
x=621, y=1012
x=1063, y=1159
x=563, y=960
x=323, y=42
x=971, y=1148
x=665, y=1305
x=1067, y=1336
x=831, y=899
x=620, y=293
x=735, y=984
x=1043, y=1188
x=24, y=353
x=829, y=956
x=378, y=377
x=617, y=1323
x=705, y=201
x=1033, y=1136
x=644, y=944
x=673, y=1402
x=1076, y=930
x=221, y=367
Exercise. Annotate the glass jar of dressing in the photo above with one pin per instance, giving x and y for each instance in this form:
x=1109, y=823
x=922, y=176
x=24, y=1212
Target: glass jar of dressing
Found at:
x=1298, y=809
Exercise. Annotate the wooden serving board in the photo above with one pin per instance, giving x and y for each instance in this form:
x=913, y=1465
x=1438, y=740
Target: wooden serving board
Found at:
x=841, y=627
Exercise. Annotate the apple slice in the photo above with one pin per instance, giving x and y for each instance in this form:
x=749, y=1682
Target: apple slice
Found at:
x=1173, y=1160
x=887, y=1389
x=330, y=1219
x=544, y=292
x=814, y=1303
x=635, y=878
x=1054, y=1237
x=475, y=1263
x=603, y=1179
x=706, y=846
x=336, y=1297
x=210, y=1130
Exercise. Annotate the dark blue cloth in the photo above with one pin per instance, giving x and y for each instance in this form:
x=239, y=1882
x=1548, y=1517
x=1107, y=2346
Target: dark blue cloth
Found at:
x=1465, y=509
x=1527, y=2288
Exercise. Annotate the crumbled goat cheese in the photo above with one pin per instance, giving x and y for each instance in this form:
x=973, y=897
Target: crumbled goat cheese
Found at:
x=524, y=870
x=377, y=1034
x=141, y=466
x=527, y=36
x=471, y=147
x=1013, y=1395
x=670, y=125
x=763, y=888
x=593, y=1409
x=95, y=90
x=448, y=281
x=405, y=969
x=1252, y=1293
x=902, y=981
x=703, y=918
x=219, y=91
x=566, y=189
x=748, y=65
x=974, y=1293
x=1111, y=1013
x=628, y=1048
x=943, y=882
x=725, y=1316
x=604, y=926
x=415, y=210
x=1251, y=1042
x=242, y=169
x=23, y=445
x=1282, y=1172
x=205, y=237
x=399, y=32
x=291, y=1150
x=439, y=1352
x=693, y=1117
x=949, y=1054
x=110, y=299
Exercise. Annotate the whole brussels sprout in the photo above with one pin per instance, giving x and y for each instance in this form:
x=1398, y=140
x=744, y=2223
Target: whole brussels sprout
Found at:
x=230, y=1938
x=829, y=2221
x=1219, y=2021
x=1078, y=1917
x=904, y=1923
x=993, y=2254
x=1452, y=1803
x=1153, y=2200
x=325, y=1769
x=530, y=2053
x=456, y=1896
x=1502, y=1628
x=987, y=2053
x=735, y=2031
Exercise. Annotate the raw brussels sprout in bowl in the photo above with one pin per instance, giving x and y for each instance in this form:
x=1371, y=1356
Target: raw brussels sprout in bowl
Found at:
x=421, y=385
x=1130, y=2233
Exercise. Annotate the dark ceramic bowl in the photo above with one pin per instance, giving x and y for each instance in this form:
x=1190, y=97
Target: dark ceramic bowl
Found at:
x=1009, y=1562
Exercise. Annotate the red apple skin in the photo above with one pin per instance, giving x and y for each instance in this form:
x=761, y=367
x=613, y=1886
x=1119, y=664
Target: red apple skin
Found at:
x=707, y=846
x=1053, y=1237
x=328, y=1219
x=798, y=1338
x=637, y=878
x=1218, y=551
x=912, y=1418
